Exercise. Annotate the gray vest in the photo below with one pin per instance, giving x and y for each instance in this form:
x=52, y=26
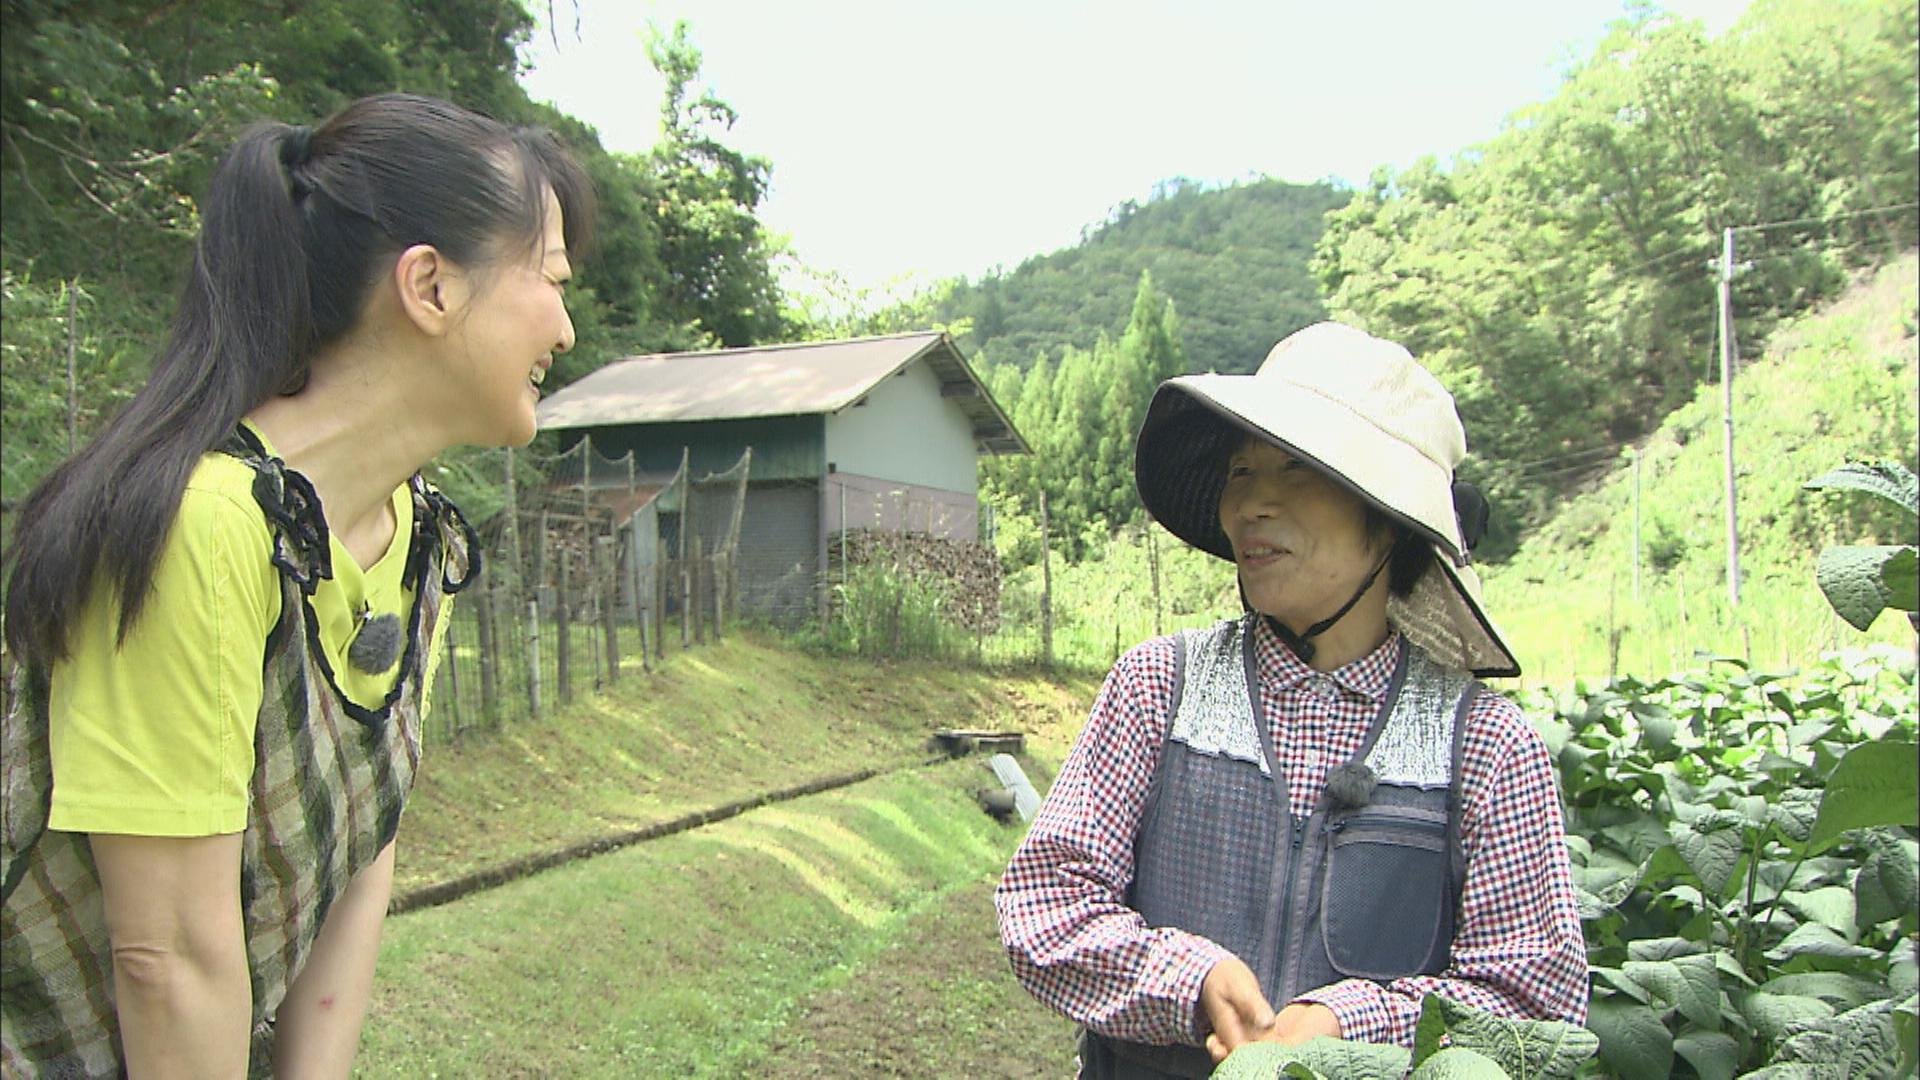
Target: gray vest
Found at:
x=1367, y=891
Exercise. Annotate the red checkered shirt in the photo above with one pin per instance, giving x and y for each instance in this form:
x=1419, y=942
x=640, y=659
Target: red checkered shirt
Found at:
x=1076, y=946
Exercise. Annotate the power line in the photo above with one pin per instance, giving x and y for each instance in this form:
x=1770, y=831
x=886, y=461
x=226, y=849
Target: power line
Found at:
x=1764, y=226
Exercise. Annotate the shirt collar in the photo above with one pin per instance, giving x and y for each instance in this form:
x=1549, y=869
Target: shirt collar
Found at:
x=1280, y=668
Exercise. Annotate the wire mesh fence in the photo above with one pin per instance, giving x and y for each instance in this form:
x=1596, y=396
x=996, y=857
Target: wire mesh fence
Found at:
x=597, y=569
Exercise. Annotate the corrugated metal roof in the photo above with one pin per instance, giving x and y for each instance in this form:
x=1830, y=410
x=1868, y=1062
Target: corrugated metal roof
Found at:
x=802, y=379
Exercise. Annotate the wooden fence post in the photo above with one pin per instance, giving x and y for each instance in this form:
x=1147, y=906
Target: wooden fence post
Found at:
x=533, y=656
x=719, y=591
x=563, y=631
x=609, y=592
x=489, y=683
x=695, y=594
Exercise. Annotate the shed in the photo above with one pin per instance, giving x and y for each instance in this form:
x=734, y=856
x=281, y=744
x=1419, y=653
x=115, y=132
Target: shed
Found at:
x=879, y=432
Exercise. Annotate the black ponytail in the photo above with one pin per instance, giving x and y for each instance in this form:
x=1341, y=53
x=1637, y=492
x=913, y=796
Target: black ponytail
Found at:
x=293, y=227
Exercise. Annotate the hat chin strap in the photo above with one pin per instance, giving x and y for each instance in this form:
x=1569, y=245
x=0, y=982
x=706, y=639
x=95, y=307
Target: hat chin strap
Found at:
x=1301, y=644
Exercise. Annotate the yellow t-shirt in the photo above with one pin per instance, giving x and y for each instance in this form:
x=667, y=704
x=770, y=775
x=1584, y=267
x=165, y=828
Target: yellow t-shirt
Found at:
x=154, y=737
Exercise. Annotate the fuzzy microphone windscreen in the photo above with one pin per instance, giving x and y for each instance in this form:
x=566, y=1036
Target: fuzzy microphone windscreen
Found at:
x=377, y=645
x=1350, y=786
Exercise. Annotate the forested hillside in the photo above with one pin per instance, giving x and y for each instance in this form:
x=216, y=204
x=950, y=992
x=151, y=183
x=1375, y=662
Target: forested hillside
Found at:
x=1561, y=279
x=112, y=115
x=1233, y=260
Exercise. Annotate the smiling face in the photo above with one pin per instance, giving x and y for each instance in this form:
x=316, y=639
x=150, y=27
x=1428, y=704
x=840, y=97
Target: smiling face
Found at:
x=515, y=324
x=1300, y=540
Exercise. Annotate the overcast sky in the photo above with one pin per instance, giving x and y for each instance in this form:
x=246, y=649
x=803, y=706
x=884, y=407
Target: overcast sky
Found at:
x=914, y=140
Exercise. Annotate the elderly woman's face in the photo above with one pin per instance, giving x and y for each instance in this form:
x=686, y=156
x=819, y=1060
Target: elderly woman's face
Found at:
x=1301, y=541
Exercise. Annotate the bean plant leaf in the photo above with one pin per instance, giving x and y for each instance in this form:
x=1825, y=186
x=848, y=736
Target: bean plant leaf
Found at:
x=1711, y=848
x=1813, y=939
x=1687, y=983
x=1458, y=1063
x=1715, y=1055
x=1885, y=886
x=1836, y=988
x=1547, y=1049
x=1890, y=480
x=1903, y=972
x=1663, y=948
x=1876, y=783
x=1316, y=1057
x=1633, y=1041
x=1906, y=1028
x=1831, y=906
x=1861, y=582
x=1772, y=1014
x=1861, y=1040
x=1794, y=812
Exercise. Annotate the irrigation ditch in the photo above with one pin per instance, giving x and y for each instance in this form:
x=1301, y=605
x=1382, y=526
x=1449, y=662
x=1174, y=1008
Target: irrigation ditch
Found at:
x=513, y=870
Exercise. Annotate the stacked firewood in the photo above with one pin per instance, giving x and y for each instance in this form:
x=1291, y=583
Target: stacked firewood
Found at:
x=967, y=571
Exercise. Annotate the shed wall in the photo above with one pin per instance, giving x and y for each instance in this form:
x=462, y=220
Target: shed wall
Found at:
x=906, y=432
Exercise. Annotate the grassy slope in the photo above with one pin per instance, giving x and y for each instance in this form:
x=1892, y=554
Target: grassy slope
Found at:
x=713, y=725
x=1838, y=384
x=743, y=943
x=684, y=956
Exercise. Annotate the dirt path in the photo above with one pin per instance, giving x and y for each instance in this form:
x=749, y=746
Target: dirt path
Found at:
x=940, y=1002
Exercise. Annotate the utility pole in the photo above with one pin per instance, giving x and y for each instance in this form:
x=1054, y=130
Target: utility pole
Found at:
x=1726, y=410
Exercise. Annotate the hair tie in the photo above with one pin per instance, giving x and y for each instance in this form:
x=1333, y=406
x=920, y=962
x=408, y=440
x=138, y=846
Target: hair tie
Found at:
x=296, y=144
x=1472, y=510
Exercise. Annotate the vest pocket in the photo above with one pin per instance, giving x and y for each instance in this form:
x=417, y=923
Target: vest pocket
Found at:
x=1384, y=901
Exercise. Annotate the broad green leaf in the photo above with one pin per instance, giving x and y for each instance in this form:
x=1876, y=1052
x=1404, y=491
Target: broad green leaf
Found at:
x=1431, y=1031
x=1859, y=581
x=1793, y=813
x=1862, y=1041
x=1534, y=1048
x=1876, y=783
x=1715, y=1055
x=1617, y=980
x=1771, y=1014
x=1836, y=988
x=1813, y=939
x=1663, y=948
x=1688, y=983
x=1901, y=577
x=1906, y=1028
x=1903, y=971
x=1321, y=1056
x=1889, y=480
x=1885, y=886
x=1633, y=1041
x=1711, y=855
x=1457, y=1063
x=1830, y=906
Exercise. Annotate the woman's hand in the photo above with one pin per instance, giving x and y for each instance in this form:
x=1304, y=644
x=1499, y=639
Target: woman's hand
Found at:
x=1235, y=1009
x=180, y=983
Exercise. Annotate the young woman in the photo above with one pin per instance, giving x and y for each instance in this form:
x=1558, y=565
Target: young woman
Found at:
x=1300, y=822
x=224, y=612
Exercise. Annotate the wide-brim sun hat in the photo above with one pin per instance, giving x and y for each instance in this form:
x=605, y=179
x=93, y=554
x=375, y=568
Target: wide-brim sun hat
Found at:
x=1364, y=413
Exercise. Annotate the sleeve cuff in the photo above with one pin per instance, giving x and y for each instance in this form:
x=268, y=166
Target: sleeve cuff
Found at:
x=1357, y=1004
x=1190, y=959
x=79, y=816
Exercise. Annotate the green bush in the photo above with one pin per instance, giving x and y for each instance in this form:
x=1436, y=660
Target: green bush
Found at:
x=883, y=611
x=1745, y=860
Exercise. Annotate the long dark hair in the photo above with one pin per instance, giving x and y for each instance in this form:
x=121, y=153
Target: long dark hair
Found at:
x=295, y=227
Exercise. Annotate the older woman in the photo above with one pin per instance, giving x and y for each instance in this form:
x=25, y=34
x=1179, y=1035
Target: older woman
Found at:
x=1301, y=821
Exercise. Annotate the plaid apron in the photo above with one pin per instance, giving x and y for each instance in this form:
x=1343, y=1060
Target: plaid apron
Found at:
x=330, y=780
